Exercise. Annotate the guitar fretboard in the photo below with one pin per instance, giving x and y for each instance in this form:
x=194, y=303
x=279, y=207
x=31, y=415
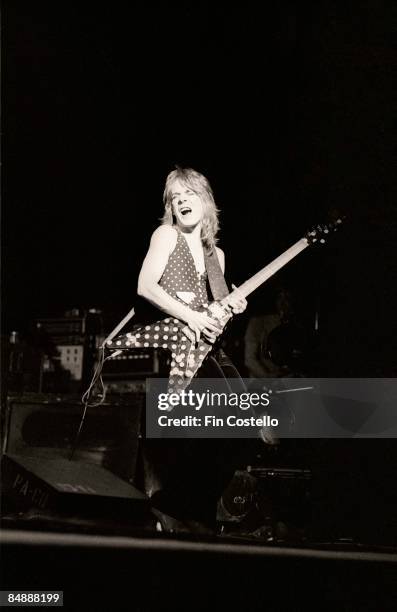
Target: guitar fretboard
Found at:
x=260, y=277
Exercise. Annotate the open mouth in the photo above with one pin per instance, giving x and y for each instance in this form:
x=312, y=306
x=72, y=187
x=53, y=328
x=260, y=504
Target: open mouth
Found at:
x=185, y=210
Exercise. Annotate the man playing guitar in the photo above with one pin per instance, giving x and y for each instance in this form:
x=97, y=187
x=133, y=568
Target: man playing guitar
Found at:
x=183, y=276
x=174, y=277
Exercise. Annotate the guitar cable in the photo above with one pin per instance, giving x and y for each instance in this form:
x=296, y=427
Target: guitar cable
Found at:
x=97, y=378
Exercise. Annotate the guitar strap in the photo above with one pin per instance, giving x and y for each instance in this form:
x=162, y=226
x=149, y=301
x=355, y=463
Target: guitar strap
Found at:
x=216, y=279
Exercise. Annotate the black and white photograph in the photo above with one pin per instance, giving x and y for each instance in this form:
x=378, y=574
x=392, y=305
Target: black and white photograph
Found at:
x=199, y=298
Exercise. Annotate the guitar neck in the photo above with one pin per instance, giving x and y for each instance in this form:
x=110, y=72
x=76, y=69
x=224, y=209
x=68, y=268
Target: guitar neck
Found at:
x=263, y=275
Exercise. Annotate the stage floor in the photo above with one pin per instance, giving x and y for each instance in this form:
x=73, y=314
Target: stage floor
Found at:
x=151, y=572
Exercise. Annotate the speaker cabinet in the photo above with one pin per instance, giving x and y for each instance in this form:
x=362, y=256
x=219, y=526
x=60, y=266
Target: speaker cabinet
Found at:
x=45, y=426
x=68, y=487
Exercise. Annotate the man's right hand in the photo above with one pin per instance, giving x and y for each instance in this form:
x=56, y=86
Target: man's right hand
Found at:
x=201, y=324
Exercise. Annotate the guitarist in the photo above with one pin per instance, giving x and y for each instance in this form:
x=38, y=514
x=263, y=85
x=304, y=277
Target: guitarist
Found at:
x=181, y=274
x=173, y=276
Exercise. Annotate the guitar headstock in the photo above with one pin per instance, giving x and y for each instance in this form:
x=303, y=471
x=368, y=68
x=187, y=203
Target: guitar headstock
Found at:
x=320, y=233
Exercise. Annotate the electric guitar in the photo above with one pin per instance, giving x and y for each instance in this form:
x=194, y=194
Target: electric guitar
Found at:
x=174, y=335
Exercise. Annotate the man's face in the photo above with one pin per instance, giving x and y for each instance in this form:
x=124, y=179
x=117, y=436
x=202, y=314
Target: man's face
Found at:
x=187, y=206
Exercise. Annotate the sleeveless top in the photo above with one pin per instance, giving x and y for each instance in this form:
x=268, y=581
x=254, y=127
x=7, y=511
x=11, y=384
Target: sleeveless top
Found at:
x=181, y=275
x=181, y=280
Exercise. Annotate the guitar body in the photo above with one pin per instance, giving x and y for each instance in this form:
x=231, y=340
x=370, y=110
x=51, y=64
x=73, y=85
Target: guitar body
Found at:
x=173, y=335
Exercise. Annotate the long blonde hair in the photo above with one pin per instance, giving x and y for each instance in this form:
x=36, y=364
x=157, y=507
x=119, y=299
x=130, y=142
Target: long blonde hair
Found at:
x=199, y=184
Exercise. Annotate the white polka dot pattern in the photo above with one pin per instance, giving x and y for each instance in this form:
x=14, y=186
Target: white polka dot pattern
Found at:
x=180, y=275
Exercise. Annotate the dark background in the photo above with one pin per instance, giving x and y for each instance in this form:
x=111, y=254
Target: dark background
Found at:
x=288, y=111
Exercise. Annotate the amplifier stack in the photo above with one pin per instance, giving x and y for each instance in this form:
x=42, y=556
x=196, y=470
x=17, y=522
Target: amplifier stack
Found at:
x=127, y=371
